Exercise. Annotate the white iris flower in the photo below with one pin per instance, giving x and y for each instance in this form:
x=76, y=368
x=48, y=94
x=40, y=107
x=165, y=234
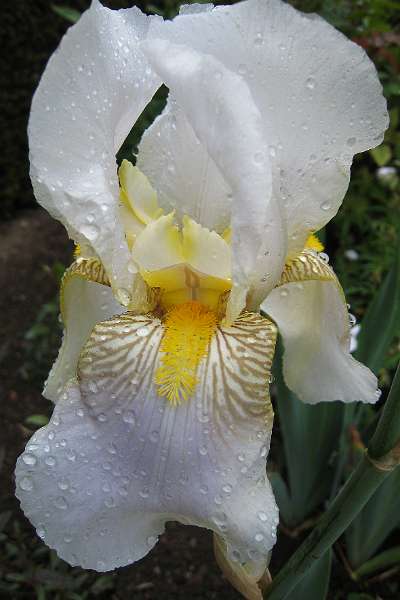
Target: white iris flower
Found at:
x=162, y=409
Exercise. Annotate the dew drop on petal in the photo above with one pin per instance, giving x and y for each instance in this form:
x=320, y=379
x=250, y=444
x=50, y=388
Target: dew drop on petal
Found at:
x=61, y=503
x=325, y=206
x=90, y=232
x=29, y=459
x=26, y=484
x=310, y=83
x=123, y=296
x=143, y=331
x=151, y=540
x=128, y=416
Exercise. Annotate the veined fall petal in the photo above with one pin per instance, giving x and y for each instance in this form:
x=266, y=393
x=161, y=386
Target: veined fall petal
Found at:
x=310, y=310
x=129, y=462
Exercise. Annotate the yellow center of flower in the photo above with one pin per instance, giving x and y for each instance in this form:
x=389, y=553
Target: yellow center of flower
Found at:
x=313, y=243
x=188, y=331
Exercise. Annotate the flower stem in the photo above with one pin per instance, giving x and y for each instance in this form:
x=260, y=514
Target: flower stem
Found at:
x=382, y=456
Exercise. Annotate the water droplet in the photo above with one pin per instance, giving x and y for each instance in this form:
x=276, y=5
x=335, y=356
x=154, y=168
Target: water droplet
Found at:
x=259, y=39
x=325, y=206
x=123, y=296
x=41, y=531
x=132, y=267
x=26, y=484
x=63, y=484
x=351, y=141
x=310, y=83
x=262, y=516
x=61, y=503
x=323, y=256
x=143, y=331
x=90, y=232
x=259, y=537
x=29, y=459
x=144, y=492
x=128, y=416
x=151, y=540
x=50, y=461
x=154, y=436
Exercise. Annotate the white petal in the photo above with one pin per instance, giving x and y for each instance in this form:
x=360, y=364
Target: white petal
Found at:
x=318, y=93
x=159, y=245
x=91, y=93
x=206, y=251
x=85, y=303
x=183, y=173
x=117, y=460
x=313, y=320
x=220, y=108
x=138, y=194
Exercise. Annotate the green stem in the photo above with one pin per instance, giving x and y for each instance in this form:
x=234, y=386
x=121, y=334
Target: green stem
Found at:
x=371, y=471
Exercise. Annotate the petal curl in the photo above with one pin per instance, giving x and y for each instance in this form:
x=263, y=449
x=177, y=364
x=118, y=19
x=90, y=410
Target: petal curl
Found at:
x=225, y=119
x=318, y=93
x=311, y=313
x=86, y=299
x=116, y=461
x=92, y=91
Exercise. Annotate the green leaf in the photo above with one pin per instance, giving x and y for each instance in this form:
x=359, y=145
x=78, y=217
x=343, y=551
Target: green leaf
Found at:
x=310, y=437
x=384, y=560
x=377, y=520
x=282, y=496
x=37, y=420
x=381, y=322
x=315, y=585
x=381, y=155
x=67, y=13
x=356, y=596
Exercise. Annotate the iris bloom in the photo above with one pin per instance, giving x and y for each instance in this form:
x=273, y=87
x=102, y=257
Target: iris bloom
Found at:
x=162, y=410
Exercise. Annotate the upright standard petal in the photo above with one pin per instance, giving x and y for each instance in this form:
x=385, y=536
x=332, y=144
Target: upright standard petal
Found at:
x=91, y=93
x=222, y=113
x=310, y=310
x=318, y=93
x=183, y=172
x=117, y=461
